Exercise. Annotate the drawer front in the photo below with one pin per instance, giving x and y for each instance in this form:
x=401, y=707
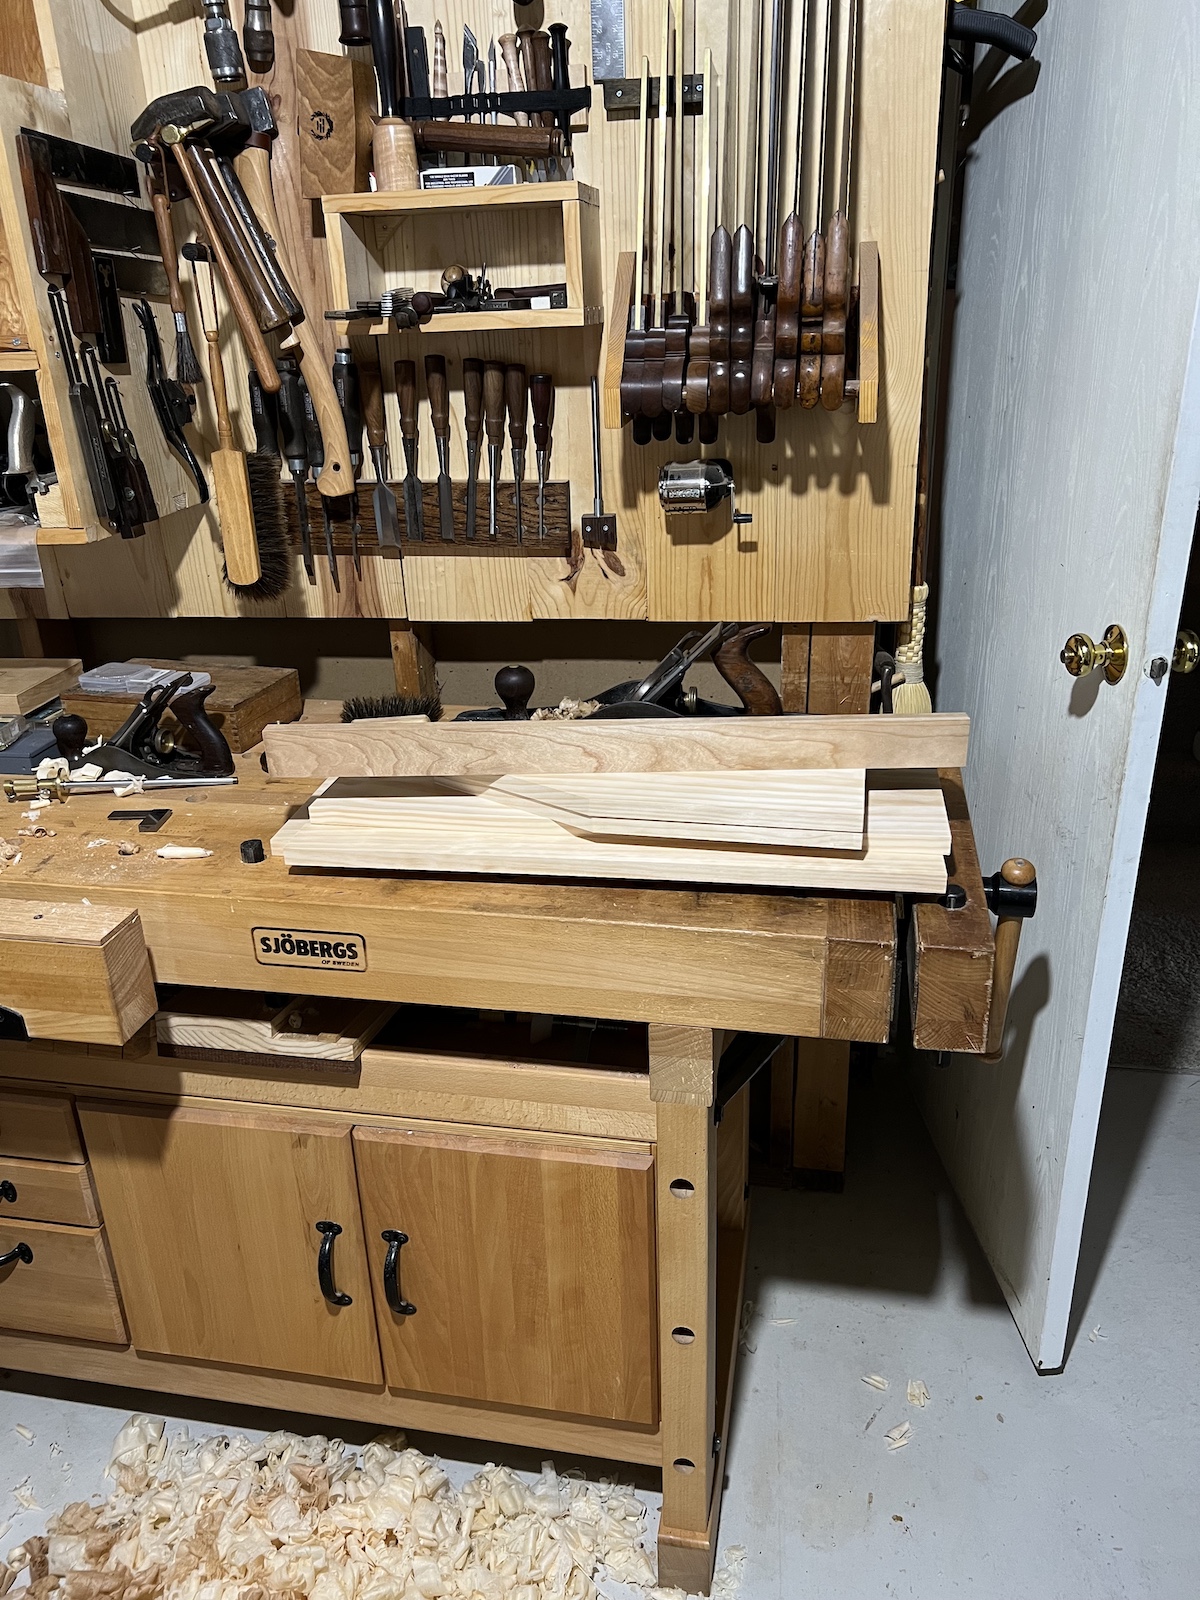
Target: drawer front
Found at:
x=47, y=1191
x=40, y=1127
x=67, y=1288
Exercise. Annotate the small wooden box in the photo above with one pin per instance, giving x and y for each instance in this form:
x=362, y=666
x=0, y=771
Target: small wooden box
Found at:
x=243, y=701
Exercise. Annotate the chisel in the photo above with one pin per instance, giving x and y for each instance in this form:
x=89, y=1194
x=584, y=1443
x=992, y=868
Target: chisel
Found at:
x=473, y=426
x=516, y=395
x=348, y=388
x=493, y=422
x=541, y=395
x=86, y=411
x=387, y=525
x=295, y=454
x=438, y=390
x=406, y=394
x=316, y=461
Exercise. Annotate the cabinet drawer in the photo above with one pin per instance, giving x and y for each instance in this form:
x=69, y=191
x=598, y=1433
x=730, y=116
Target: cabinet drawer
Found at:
x=66, y=1289
x=40, y=1127
x=47, y=1191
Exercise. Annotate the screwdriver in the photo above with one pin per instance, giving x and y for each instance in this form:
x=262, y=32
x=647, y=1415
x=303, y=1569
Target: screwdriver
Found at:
x=438, y=390
x=316, y=461
x=295, y=453
x=517, y=396
x=387, y=526
x=493, y=422
x=348, y=388
x=541, y=395
x=406, y=394
x=473, y=424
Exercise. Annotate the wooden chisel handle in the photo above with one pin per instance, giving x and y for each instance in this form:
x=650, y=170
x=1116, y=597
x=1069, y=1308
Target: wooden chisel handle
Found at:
x=372, y=397
x=251, y=334
x=438, y=390
x=472, y=372
x=406, y=396
x=493, y=401
x=512, y=65
x=337, y=475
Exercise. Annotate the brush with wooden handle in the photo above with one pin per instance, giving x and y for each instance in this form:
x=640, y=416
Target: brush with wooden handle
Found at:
x=230, y=475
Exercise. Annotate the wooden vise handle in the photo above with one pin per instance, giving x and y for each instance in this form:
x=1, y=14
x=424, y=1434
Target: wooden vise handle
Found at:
x=1012, y=895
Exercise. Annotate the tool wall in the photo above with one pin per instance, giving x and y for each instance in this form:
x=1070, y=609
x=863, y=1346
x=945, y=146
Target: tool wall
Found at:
x=826, y=108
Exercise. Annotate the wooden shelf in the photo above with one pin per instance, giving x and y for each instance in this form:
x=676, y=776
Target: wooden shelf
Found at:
x=524, y=233
x=19, y=361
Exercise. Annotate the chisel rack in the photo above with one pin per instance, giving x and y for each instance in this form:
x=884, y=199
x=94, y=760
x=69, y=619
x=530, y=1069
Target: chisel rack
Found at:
x=556, y=543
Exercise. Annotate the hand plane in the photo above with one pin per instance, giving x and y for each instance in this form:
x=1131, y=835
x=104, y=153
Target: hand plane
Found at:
x=142, y=746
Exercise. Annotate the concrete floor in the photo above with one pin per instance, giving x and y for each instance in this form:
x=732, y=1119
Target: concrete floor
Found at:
x=1059, y=1488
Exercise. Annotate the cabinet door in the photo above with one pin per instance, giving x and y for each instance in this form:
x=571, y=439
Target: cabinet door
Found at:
x=530, y=1265
x=212, y=1221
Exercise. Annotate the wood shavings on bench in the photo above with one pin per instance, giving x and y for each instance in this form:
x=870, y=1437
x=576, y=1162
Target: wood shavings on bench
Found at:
x=225, y=1517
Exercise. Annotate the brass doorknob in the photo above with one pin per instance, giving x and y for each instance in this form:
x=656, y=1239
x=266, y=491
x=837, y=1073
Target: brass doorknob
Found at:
x=1111, y=656
x=1187, y=651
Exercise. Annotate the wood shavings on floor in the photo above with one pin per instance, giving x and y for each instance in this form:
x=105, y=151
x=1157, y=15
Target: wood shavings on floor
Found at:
x=224, y=1518
x=874, y=1381
x=23, y=1432
x=896, y=1438
x=918, y=1394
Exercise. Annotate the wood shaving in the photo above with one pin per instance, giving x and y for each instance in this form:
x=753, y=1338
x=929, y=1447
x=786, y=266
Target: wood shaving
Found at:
x=36, y=832
x=34, y=807
x=7, y=1576
x=127, y=847
x=23, y=1432
x=727, y=1579
x=10, y=854
x=565, y=711
x=52, y=767
x=744, y=1328
x=896, y=1438
x=94, y=844
x=1096, y=1334
x=875, y=1381
x=918, y=1394
x=181, y=852
x=133, y=785
x=24, y=1496
x=226, y=1518
x=783, y=1322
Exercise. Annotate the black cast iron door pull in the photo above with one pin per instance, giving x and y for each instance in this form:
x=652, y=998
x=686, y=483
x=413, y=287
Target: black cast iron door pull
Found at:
x=330, y=1230
x=8, y=1191
x=391, y=1273
x=19, y=1252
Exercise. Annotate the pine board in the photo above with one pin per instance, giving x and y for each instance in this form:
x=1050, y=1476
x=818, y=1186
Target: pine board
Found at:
x=26, y=684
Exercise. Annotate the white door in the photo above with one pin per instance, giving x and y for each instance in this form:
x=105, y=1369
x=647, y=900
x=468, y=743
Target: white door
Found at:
x=1070, y=494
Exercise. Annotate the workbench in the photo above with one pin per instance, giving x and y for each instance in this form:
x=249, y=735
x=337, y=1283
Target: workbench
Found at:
x=573, y=1232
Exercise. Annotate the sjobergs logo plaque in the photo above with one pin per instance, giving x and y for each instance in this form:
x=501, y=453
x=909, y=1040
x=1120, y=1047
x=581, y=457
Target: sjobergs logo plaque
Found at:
x=309, y=947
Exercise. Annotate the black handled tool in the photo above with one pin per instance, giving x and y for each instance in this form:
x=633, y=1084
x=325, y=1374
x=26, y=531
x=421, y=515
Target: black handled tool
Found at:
x=355, y=27
x=416, y=57
x=560, y=50
x=86, y=412
x=221, y=44
x=127, y=519
x=406, y=394
x=541, y=394
x=438, y=390
x=173, y=405
x=516, y=394
x=348, y=389
x=381, y=24
x=295, y=453
x=599, y=531
x=316, y=461
x=473, y=426
x=258, y=36
x=147, y=505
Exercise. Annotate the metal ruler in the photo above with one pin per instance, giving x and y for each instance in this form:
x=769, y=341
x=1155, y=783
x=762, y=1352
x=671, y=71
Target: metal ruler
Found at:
x=608, y=39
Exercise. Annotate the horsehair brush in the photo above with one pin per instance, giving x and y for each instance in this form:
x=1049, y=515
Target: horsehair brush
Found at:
x=364, y=707
x=268, y=500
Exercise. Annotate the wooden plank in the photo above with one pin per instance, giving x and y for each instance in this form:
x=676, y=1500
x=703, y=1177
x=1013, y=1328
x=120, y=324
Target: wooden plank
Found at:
x=26, y=684
x=952, y=951
x=75, y=971
x=13, y=335
x=20, y=44
x=315, y=750
x=861, y=967
x=412, y=660
x=234, y=1279
x=868, y=331
x=243, y=701
x=794, y=659
x=839, y=673
x=375, y=1405
x=687, y=1238
x=614, y=339
x=41, y=1127
x=67, y=1289
x=246, y=1023
x=819, y=1118
x=531, y=1266
x=49, y=1191
x=333, y=94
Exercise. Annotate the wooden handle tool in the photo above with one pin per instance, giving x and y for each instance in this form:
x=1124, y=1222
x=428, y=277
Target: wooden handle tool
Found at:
x=512, y=66
x=516, y=395
x=493, y=423
x=438, y=389
x=230, y=475
x=473, y=427
x=1012, y=895
x=406, y=395
x=337, y=473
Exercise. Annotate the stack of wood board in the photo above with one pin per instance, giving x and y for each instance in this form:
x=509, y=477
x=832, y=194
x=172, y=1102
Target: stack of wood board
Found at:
x=27, y=684
x=423, y=825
